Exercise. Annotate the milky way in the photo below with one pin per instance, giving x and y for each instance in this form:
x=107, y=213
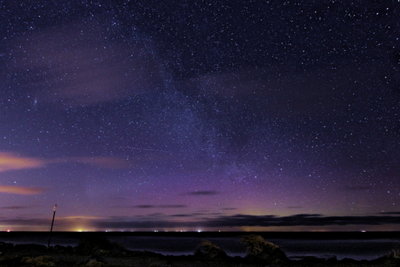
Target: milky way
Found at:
x=186, y=115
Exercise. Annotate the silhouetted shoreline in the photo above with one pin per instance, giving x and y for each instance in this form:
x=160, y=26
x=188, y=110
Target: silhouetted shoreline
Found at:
x=275, y=234
x=95, y=250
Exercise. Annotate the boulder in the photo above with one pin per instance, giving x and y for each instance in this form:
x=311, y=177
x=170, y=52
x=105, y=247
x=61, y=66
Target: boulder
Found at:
x=42, y=261
x=261, y=250
x=209, y=250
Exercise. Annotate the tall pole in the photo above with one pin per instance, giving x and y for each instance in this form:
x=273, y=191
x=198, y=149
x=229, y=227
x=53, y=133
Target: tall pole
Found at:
x=52, y=224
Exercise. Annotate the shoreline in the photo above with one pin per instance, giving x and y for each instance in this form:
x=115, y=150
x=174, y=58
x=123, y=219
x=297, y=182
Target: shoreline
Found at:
x=96, y=251
x=357, y=246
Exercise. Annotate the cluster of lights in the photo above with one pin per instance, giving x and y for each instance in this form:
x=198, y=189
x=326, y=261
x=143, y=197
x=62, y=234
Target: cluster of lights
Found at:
x=80, y=230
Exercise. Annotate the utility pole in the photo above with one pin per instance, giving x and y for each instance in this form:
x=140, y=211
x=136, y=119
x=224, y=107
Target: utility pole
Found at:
x=52, y=224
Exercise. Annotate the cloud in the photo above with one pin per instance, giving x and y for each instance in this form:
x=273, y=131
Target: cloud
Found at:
x=21, y=190
x=144, y=206
x=241, y=220
x=182, y=215
x=390, y=212
x=204, y=193
x=302, y=220
x=60, y=222
x=196, y=214
x=172, y=206
x=15, y=207
x=178, y=206
x=294, y=207
x=72, y=66
x=103, y=162
x=12, y=161
x=155, y=214
x=355, y=188
x=81, y=217
x=26, y=221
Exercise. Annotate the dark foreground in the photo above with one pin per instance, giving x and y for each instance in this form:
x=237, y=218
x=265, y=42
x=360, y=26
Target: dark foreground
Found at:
x=101, y=252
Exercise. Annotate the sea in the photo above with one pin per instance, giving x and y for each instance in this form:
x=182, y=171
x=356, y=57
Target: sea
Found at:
x=295, y=245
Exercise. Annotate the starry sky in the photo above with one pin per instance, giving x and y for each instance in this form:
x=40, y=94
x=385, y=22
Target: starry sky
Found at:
x=189, y=115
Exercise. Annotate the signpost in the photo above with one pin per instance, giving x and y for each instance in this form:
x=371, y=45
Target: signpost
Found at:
x=52, y=224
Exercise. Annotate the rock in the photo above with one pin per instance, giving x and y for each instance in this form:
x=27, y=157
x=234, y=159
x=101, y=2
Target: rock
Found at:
x=94, y=263
x=43, y=261
x=260, y=249
x=395, y=254
x=209, y=250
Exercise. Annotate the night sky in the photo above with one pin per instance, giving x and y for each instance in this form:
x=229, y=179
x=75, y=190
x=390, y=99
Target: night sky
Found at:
x=200, y=115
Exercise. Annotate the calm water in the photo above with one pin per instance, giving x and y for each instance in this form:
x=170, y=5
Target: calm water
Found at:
x=355, y=249
x=349, y=248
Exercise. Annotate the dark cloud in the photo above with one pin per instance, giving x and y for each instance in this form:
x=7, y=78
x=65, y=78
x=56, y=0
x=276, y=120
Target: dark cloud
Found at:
x=138, y=224
x=144, y=206
x=15, y=207
x=390, y=212
x=253, y=220
x=196, y=214
x=204, y=193
x=172, y=206
x=229, y=209
x=301, y=220
x=155, y=214
x=239, y=220
x=182, y=215
x=102, y=162
x=357, y=188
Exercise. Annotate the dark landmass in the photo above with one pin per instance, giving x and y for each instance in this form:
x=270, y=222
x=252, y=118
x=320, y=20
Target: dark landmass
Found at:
x=269, y=235
x=95, y=250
